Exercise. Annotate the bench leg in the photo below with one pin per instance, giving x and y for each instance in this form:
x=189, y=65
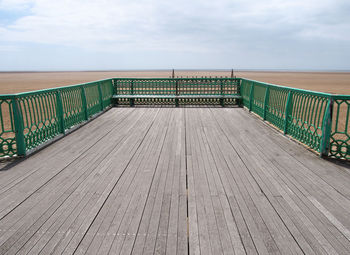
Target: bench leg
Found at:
x=132, y=102
x=176, y=102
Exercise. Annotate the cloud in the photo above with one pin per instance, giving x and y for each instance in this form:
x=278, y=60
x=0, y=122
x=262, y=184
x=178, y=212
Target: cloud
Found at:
x=201, y=26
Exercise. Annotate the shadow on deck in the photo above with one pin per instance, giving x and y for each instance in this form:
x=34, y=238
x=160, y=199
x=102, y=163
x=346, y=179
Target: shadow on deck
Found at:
x=175, y=181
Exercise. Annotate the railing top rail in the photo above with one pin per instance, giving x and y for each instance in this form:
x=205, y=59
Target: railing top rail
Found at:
x=184, y=78
x=33, y=92
x=299, y=90
x=341, y=97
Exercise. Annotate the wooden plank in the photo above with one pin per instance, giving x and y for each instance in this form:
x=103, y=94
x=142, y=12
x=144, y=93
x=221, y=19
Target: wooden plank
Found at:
x=81, y=191
x=38, y=196
x=263, y=241
x=218, y=223
x=305, y=175
x=121, y=223
x=41, y=173
x=177, y=241
x=120, y=195
x=315, y=220
x=70, y=244
x=161, y=200
x=103, y=190
x=199, y=242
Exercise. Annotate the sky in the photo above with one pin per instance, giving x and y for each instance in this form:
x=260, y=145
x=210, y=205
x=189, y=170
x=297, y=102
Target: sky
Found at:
x=43, y=35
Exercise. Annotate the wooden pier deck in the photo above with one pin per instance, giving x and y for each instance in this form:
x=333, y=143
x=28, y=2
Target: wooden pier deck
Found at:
x=175, y=181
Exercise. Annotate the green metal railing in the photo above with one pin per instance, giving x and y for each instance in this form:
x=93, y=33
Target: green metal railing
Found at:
x=318, y=120
x=340, y=134
x=190, y=89
x=32, y=118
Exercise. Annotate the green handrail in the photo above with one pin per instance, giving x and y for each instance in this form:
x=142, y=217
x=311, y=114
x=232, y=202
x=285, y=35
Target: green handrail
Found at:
x=30, y=119
x=319, y=120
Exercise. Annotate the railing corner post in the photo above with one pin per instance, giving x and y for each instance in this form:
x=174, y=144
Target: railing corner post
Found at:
x=19, y=128
x=326, y=129
x=115, y=91
x=59, y=111
x=239, y=91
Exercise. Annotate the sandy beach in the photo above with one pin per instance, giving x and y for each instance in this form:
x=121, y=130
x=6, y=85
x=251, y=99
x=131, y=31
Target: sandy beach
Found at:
x=330, y=82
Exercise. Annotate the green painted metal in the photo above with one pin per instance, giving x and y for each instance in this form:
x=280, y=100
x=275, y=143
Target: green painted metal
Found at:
x=100, y=95
x=84, y=103
x=222, y=93
x=176, y=92
x=8, y=146
x=19, y=130
x=327, y=130
x=176, y=87
x=30, y=119
x=132, y=93
x=289, y=104
x=318, y=120
x=251, y=93
x=299, y=113
x=340, y=136
x=60, y=115
x=266, y=101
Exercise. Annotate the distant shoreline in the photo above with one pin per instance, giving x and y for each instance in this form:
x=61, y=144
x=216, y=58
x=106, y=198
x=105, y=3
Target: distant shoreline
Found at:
x=187, y=70
x=328, y=81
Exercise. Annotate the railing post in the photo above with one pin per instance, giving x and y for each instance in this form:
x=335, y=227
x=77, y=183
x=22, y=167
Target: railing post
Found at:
x=59, y=111
x=326, y=129
x=115, y=90
x=239, y=83
x=222, y=93
x=19, y=128
x=266, y=101
x=132, y=93
x=251, y=96
x=84, y=103
x=176, y=92
x=100, y=95
x=288, y=106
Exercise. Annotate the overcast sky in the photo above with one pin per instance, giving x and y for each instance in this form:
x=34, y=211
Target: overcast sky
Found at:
x=186, y=34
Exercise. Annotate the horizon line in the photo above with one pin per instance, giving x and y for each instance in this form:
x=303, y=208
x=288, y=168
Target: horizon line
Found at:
x=180, y=69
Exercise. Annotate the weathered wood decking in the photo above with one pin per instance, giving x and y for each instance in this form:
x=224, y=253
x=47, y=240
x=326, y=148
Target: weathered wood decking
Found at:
x=175, y=181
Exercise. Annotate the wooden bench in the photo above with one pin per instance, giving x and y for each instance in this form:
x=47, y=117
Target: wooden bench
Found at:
x=177, y=97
